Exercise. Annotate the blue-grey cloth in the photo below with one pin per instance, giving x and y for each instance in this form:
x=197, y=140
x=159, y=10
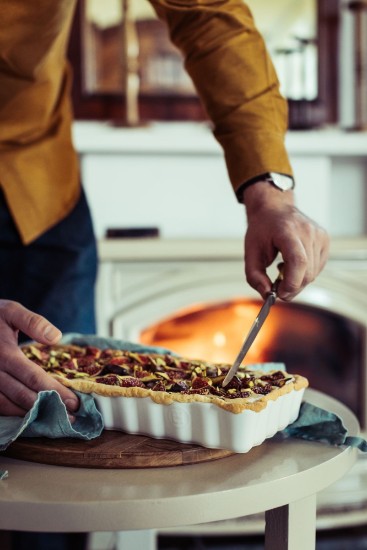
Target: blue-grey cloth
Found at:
x=316, y=424
x=49, y=418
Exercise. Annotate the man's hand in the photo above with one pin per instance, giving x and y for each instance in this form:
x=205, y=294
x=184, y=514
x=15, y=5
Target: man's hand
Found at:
x=20, y=378
x=275, y=226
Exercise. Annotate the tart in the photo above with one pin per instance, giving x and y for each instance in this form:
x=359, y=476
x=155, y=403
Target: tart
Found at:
x=164, y=395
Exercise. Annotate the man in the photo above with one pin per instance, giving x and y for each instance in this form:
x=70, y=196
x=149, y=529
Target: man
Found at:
x=43, y=207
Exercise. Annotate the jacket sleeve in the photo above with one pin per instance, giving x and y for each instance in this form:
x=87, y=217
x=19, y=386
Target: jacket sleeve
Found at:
x=228, y=62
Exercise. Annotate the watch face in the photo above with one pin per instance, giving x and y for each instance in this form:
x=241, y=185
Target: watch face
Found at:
x=285, y=183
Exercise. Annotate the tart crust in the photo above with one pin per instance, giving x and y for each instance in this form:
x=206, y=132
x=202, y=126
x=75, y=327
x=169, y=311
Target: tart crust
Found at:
x=236, y=405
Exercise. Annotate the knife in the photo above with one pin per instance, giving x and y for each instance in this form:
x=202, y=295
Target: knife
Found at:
x=254, y=330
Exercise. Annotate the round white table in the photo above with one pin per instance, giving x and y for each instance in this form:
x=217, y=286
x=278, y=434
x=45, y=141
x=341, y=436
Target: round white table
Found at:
x=280, y=477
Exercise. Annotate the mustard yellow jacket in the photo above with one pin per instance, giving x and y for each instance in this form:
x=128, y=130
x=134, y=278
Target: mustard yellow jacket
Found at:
x=224, y=54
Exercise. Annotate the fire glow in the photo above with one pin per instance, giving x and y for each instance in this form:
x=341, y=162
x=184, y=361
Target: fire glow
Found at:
x=215, y=332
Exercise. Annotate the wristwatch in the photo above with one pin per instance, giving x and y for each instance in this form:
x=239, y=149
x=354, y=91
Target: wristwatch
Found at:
x=280, y=181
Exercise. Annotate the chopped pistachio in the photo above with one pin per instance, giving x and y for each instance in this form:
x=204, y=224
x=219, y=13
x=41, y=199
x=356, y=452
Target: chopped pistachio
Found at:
x=163, y=375
x=35, y=352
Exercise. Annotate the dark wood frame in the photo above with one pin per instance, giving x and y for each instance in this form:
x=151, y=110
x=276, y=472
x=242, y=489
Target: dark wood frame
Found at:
x=302, y=114
x=328, y=23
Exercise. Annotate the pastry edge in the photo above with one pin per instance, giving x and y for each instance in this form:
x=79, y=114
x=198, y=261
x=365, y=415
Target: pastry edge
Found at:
x=235, y=406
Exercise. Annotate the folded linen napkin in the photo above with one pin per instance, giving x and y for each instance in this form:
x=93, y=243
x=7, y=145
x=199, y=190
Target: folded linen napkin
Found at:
x=48, y=416
x=316, y=424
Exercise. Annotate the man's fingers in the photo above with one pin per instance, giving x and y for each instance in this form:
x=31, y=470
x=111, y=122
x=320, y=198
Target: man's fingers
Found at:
x=324, y=250
x=304, y=259
x=257, y=259
x=258, y=279
x=21, y=379
x=33, y=325
x=297, y=271
x=8, y=408
x=21, y=397
x=26, y=379
x=304, y=249
x=39, y=381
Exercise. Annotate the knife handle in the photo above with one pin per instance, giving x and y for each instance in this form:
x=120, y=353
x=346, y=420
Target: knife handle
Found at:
x=279, y=279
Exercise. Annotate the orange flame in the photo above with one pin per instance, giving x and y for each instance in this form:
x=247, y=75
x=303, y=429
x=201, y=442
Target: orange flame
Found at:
x=212, y=332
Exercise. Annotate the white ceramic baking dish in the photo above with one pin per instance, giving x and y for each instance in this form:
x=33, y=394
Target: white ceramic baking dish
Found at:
x=201, y=423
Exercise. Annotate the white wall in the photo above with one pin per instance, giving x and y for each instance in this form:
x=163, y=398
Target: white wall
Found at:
x=173, y=176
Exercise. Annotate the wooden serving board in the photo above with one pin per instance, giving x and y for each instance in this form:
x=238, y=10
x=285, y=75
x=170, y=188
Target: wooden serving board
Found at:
x=112, y=449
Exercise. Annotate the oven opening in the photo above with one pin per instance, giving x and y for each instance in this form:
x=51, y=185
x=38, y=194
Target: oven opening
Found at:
x=326, y=347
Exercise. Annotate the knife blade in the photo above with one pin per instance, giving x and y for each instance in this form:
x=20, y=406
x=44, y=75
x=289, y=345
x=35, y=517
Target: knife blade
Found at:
x=256, y=326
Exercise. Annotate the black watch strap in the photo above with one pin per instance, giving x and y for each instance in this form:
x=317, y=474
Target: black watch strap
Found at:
x=283, y=182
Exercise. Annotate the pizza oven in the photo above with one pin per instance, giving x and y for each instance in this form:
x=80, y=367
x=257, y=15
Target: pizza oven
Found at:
x=191, y=297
